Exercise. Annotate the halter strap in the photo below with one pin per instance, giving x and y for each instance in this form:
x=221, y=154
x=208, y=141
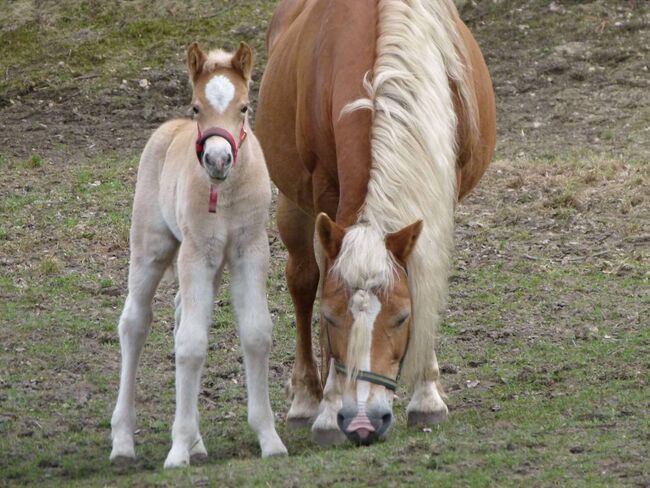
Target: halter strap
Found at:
x=199, y=147
x=369, y=376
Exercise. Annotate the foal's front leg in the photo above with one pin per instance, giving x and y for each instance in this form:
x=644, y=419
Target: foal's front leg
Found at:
x=195, y=276
x=249, y=270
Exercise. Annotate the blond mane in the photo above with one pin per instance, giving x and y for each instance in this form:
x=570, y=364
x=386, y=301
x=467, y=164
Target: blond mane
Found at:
x=414, y=152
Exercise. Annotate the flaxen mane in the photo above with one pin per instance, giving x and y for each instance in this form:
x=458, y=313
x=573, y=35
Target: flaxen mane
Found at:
x=414, y=152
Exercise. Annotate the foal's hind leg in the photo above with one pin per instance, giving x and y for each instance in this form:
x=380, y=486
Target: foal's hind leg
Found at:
x=151, y=253
x=297, y=231
x=249, y=265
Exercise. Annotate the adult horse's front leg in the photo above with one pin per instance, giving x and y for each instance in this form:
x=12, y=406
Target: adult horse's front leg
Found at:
x=195, y=275
x=427, y=406
x=297, y=231
x=249, y=270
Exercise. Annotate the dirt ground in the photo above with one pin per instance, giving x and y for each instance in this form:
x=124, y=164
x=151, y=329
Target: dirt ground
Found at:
x=569, y=77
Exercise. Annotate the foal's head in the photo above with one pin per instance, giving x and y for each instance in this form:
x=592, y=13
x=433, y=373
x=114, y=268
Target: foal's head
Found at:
x=219, y=104
x=366, y=310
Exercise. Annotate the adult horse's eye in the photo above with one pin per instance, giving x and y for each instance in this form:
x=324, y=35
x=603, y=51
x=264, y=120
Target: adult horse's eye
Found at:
x=195, y=110
x=329, y=321
x=244, y=109
x=400, y=321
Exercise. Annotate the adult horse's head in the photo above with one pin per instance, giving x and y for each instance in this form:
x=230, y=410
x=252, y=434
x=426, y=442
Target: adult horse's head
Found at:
x=219, y=104
x=366, y=310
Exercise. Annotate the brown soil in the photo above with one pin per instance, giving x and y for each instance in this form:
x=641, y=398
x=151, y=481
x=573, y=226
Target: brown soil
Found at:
x=570, y=77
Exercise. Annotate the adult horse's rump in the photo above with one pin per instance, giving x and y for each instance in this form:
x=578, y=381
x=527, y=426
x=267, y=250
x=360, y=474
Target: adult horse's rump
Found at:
x=378, y=114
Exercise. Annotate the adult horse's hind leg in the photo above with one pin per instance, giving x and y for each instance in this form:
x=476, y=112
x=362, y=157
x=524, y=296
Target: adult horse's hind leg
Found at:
x=297, y=231
x=249, y=263
x=152, y=250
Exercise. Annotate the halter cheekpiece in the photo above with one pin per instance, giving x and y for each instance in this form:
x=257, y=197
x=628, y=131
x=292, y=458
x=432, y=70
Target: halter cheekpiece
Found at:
x=201, y=137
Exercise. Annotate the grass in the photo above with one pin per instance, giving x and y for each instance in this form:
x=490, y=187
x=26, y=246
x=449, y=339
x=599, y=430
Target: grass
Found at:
x=548, y=383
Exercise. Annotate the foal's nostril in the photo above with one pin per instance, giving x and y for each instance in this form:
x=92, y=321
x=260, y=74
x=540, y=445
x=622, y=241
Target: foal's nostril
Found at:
x=386, y=419
x=228, y=159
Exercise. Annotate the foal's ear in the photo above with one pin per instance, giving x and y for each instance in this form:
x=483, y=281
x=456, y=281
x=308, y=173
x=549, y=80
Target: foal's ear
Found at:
x=329, y=234
x=242, y=61
x=402, y=242
x=195, y=61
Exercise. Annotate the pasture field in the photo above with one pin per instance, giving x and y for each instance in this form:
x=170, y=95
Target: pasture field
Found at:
x=545, y=348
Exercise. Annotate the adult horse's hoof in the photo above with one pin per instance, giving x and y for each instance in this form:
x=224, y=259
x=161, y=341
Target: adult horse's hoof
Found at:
x=424, y=419
x=328, y=437
x=299, y=422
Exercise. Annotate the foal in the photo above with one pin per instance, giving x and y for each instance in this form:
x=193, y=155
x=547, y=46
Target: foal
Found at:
x=209, y=212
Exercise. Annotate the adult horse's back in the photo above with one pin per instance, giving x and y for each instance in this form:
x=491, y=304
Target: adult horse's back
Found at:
x=380, y=115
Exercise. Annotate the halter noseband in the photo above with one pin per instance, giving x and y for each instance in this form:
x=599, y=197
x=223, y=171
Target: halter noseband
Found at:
x=369, y=376
x=201, y=137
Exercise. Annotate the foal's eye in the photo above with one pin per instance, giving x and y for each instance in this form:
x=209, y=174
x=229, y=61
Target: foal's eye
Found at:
x=244, y=109
x=195, y=110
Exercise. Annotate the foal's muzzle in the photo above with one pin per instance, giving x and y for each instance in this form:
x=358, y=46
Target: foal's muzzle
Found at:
x=217, y=164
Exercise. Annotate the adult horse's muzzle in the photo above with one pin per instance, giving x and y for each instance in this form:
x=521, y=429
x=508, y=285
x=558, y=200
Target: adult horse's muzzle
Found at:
x=363, y=425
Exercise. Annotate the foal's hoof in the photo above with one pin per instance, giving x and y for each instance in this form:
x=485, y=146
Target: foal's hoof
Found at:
x=122, y=454
x=198, y=452
x=177, y=458
x=299, y=422
x=328, y=437
x=122, y=460
x=424, y=419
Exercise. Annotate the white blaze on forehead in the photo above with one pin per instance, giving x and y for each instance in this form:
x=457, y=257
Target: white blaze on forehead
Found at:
x=220, y=91
x=364, y=307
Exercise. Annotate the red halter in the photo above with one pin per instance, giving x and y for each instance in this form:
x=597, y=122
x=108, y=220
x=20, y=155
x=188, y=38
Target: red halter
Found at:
x=201, y=137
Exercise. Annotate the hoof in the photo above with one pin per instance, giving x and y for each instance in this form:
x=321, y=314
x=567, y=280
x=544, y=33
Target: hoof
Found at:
x=122, y=460
x=198, y=457
x=424, y=419
x=177, y=458
x=327, y=437
x=198, y=453
x=299, y=422
x=276, y=453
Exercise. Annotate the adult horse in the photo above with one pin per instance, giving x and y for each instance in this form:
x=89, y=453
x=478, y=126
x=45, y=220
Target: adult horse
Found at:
x=376, y=117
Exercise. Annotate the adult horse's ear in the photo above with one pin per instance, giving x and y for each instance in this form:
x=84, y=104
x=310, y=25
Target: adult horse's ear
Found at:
x=402, y=242
x=195, y=61
x=330, y=235
x=242, y=61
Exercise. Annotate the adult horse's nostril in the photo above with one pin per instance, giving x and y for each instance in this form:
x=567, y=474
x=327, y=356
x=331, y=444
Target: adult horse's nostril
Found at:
x=228, y=159
x=386, y=420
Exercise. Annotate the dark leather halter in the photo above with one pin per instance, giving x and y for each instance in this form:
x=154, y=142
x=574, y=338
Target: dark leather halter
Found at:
x=201, y=137
x=369, y=376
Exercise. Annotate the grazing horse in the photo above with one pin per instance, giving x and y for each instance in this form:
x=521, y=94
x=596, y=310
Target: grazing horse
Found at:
x=209, y=212
x=376, y=117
